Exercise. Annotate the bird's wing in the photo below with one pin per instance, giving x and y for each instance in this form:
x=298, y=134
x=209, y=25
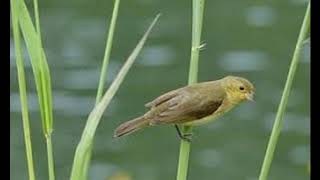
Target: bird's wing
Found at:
x=182, y=106
x=161, y=99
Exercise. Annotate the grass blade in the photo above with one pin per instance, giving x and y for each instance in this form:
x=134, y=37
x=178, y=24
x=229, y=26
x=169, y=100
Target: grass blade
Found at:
x=96, y=114
x=41, y=75
x=39, y=66
x=107, y=50
x=103, y=75
x=22, y=89
x=285, y=96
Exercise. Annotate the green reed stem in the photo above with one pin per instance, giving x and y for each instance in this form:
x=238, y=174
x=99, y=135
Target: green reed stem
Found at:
x=107, y=51
x=197, y=19
x=36, y=15
x=50, y=158
x=41, y=73
x=46, y=93
x=22, y=89
x=85, y=166
x=284, y=99
x=86, y=163
x=49, y=130
x=184, y=156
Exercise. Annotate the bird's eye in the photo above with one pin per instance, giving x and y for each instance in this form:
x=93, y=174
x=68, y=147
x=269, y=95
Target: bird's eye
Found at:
x=241, y=88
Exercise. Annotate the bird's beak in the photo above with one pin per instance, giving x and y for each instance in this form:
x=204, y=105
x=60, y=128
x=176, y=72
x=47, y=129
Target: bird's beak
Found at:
x=249, y=96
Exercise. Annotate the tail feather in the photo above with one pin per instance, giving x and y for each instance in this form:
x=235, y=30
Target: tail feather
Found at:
x=131, y=126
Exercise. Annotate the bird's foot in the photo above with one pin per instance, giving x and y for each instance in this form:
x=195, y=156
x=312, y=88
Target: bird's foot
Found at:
x=186, y=136
x=202, y=46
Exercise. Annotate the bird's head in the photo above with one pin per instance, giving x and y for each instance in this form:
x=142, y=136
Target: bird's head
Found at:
x=238, y=89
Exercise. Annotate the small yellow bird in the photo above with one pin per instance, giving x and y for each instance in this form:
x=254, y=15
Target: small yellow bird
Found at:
x=194, y=105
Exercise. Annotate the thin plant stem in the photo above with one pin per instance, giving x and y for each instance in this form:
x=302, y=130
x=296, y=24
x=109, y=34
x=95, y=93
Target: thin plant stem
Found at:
x=22, y=89
x=86, y=163
x=45, y=94
x=183, y=160
x=107, y=50
x=197, y=19
x=284, y=99
x=36, y=14
x=50, y=158
x=103, y=76
x=41, y=75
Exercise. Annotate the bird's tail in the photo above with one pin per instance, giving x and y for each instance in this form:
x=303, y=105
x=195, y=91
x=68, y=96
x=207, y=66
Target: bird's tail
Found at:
x=131, y=126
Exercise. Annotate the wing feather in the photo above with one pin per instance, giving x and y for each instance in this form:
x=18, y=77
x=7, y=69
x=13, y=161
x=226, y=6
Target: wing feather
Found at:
x=161, y=99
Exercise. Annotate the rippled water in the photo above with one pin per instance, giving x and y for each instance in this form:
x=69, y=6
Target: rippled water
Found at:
x=245, y=38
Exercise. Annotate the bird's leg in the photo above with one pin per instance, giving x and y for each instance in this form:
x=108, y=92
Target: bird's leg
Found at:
x=186, y=137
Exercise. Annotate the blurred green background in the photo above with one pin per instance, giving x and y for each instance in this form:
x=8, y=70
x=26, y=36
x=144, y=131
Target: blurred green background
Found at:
x=254, y=39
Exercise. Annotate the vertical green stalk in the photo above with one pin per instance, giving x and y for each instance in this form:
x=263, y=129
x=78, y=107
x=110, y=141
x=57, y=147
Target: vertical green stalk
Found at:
x=197, y=18
x=103, y=76
x=32, y=37
x=48, y=134
x=46, y=94
x=86, y=163
x=107, y=50
x=50, y=158
x=22, y=89
x=284, y=99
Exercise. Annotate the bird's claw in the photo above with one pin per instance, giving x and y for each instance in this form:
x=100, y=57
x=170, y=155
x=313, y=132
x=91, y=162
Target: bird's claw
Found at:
x=187, y=137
